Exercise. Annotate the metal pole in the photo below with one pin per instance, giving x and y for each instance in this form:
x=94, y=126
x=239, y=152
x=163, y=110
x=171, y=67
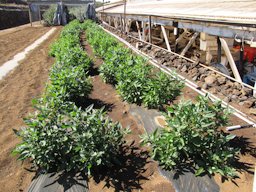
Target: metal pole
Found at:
x=30, y=16
x=177, y=34
x=219, y=49
x=39, y=12
x=241, y=59
x=124, y=15
x=103, y=11
x=150, y=30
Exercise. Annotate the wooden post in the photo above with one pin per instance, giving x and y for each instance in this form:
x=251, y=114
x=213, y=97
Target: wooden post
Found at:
x=29, y=13
x=150, y=30
x=121, y=22
x=109, y=20
x=166, y=38
x=40, y=19
x=191, y=41
x=143, y=31
x=230, y=60
x=138, y=28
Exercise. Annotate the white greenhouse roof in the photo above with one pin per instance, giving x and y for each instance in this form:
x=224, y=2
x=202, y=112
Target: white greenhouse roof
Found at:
x=233, y=11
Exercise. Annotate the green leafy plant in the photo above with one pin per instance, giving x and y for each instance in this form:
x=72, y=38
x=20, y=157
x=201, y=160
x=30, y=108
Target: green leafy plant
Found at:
x=70, y=83
x=69, y=138
x=60, y=135
x=160, y=89
x=131, y=83
x=135, y=81
x=193, y=139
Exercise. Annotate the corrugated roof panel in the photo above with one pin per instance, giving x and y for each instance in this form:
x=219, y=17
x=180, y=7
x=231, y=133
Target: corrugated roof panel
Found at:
x=233, y=11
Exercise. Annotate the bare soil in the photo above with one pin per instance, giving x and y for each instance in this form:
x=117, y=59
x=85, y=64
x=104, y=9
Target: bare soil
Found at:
x=16, y=40
x=246, y=139
x=138, y=172
x=17, y=90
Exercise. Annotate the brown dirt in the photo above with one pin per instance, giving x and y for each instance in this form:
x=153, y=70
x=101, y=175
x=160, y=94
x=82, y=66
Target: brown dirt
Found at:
x=137, y=178
x=15, y=41
x=17, y=90
x=247, y=142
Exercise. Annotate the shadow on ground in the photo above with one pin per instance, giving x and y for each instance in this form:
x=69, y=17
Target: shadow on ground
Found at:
x=126, y=174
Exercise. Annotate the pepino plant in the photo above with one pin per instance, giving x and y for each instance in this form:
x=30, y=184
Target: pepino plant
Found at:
x=161, y=89
x=70, y=83
x=193, y=139
x=135, y=81
x=69, y=138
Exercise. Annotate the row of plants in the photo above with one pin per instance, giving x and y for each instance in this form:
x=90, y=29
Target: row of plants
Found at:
x=192, y=138
x=61, y=135
x=135, y=81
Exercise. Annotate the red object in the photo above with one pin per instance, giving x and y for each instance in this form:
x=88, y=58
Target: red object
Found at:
x=249, y=53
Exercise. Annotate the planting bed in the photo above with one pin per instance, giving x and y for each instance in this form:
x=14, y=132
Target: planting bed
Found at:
x=137, y=171
x=72, y=135
x=16, y=92
x=247, y=143
x=15, y=40
x=226, y=89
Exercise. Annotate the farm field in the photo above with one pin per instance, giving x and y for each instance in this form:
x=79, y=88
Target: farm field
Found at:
x=137, y=172
x=26, y=82
x=15, y=40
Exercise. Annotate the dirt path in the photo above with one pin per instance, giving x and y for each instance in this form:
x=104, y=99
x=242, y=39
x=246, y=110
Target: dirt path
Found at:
x=17, y=40
x=137, y=173
x=17, y=90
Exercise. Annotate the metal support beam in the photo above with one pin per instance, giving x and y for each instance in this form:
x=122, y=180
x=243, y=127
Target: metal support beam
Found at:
x=219, y=49
x=30, y=16
x=241, y=59
x=166, y=38
x=177, y=34
x=39, y=14
x=230, y=60
x=124, y=15
x=191, y=41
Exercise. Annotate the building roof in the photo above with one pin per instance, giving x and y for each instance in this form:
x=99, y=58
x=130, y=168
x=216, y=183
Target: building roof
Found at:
x=46, y=2
x=233, y=11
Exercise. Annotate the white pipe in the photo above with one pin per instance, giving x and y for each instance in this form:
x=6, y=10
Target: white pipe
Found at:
x=188, y=83
x=231, y=128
